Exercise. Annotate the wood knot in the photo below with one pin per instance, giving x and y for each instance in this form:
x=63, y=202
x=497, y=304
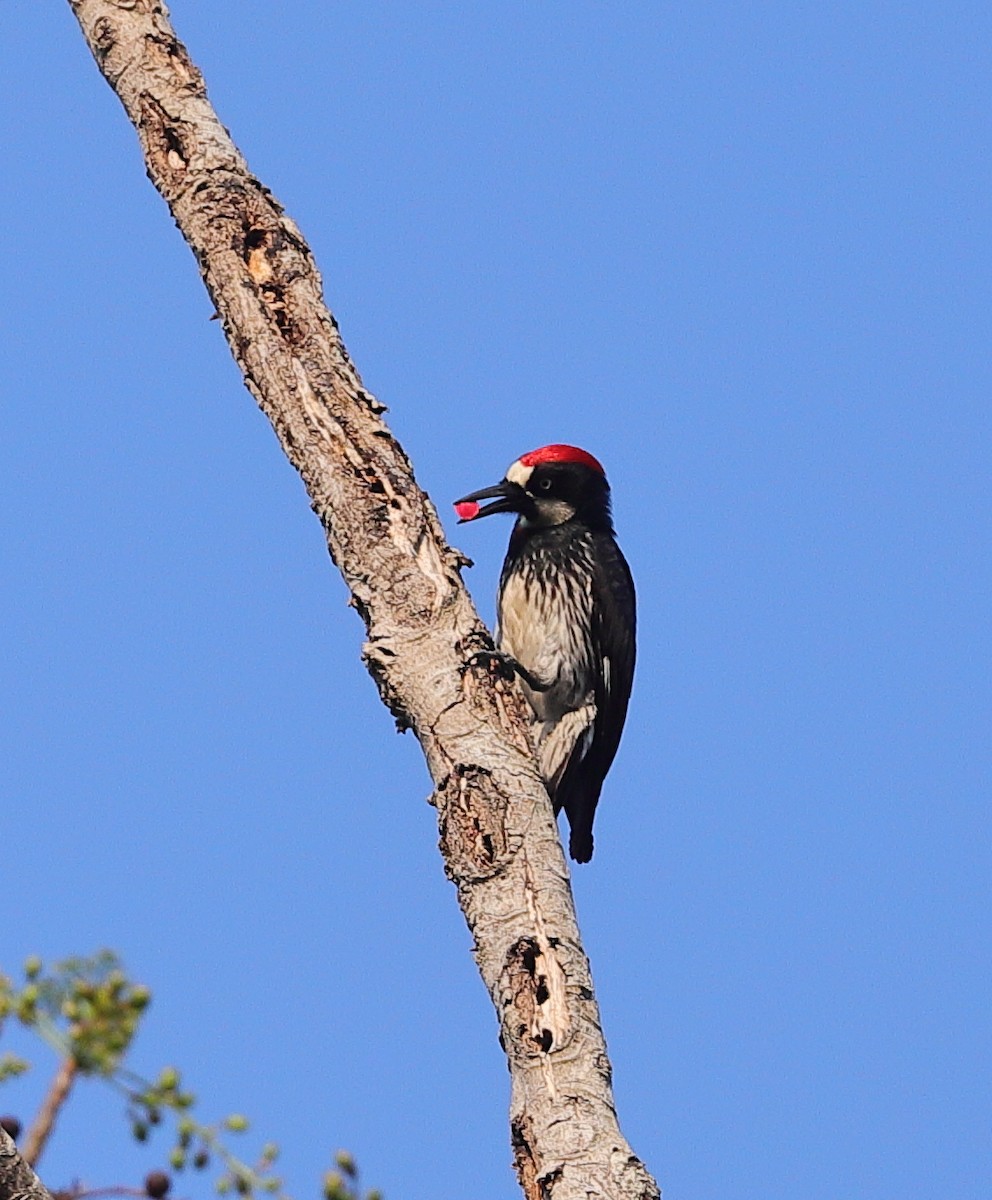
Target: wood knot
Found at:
x=104, y=37
x=471, y=820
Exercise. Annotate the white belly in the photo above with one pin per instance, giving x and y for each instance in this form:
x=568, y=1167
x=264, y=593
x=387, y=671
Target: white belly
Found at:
x=550, y=640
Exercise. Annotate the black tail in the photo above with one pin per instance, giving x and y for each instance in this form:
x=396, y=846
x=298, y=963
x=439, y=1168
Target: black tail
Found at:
x=580, y=843
x=578, y=796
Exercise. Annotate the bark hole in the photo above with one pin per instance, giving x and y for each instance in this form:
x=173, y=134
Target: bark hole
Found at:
x=521, y=1136
x=471, y=812
x=528, y=991
x=259, y=250
x=167, y=154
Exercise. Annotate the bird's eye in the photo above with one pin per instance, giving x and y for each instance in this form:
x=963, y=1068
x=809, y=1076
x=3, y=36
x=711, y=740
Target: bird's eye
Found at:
x=545, y=485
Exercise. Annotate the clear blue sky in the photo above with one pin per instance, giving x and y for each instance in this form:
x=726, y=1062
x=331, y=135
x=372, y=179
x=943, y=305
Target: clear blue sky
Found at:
x=742, y=254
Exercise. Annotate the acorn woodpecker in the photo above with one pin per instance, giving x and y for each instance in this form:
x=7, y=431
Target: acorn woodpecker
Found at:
x=566, y=620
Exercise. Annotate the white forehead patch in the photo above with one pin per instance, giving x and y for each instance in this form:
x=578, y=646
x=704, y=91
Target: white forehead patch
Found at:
x=519, y=474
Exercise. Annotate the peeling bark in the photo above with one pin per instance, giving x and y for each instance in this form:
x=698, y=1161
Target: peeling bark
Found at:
x=497, y=833
x=17, y=1180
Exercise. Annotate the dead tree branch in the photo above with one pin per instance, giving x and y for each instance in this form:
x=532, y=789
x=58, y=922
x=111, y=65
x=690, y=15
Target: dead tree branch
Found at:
x=498, y=837
x=17, y=1180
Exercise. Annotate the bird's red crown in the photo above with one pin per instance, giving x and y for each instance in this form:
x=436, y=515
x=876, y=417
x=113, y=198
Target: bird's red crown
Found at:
x=559, y=453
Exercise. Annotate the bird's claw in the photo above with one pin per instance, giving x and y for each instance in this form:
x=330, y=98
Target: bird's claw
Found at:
x=505, y=666
x=500, y=664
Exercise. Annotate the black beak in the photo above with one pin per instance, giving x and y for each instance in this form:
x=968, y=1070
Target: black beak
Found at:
x=509, y=497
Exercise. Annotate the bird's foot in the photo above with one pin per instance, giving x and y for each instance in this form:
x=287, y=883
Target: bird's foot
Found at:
x=495, y=661
x=505, y=666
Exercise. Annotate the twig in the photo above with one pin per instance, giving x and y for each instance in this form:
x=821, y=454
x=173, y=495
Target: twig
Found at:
x=44, y=1122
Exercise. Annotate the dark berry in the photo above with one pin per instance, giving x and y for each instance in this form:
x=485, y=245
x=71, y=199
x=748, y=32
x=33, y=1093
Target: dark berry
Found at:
x=157, y=1184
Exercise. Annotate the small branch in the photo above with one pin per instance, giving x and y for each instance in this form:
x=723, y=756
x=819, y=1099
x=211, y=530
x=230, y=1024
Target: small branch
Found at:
x=17, y=1180
x=44, y=1122
x=90, y=1193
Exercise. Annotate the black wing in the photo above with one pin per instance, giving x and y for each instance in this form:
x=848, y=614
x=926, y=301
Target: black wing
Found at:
x=614, y=622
